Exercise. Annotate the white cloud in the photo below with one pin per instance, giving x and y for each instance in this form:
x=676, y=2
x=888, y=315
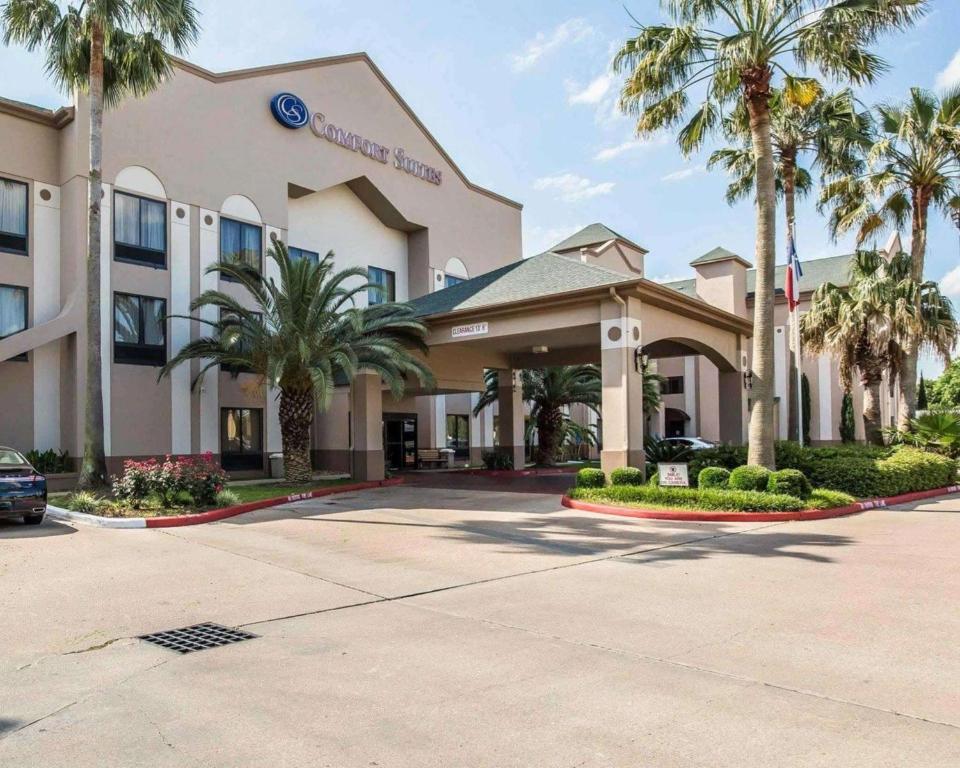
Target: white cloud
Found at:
x=572, y=188
x=570, y=31
x=950, y=282
x=684, y=173
x=592, y=93
x=950, y=75
x=613, y=152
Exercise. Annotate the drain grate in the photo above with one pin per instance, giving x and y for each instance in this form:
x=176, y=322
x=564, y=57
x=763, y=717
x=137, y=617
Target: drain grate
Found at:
x=199, y=637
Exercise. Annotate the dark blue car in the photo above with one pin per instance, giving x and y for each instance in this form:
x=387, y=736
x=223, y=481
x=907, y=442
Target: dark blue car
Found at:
x=23, y=490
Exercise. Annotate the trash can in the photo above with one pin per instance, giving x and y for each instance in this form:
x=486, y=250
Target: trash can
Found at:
x=448, y=455
x=276, y=465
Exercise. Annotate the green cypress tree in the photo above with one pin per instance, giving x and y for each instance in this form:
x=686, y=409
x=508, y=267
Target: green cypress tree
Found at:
x=922, y=404
x=848, y=429
x=805, y=399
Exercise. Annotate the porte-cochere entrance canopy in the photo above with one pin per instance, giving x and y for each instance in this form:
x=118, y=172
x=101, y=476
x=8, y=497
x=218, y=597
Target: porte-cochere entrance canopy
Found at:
x=555, y=310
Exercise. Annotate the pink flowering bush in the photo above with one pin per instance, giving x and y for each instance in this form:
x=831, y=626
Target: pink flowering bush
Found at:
x=200, y=477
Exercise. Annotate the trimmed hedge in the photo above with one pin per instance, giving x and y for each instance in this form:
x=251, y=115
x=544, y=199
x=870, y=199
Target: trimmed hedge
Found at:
x=590, y=477
x=749, y=478
x=907, y=470
x=791, y=482
x=709, y=499
x=626, y=476
x=713, y=477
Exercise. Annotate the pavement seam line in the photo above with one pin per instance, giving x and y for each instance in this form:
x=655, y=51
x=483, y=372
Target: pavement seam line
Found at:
x=688, y=666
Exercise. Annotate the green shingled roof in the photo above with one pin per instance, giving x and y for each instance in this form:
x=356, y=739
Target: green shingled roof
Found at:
x=833, y=269
x=718, y=254
x=595, y=234
x=536, y=277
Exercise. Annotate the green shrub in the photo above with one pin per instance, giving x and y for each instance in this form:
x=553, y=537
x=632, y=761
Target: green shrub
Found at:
x=821, y=498
x=659, y=451
x=50, y=462
x=226, y=499
x=85, y=502
x=626, y=476
x=589, y=477
x=653, y=476
x=791, y=482
x=497, y=460
x=710, y=499
x=726, y=456
x=749, y=478
x=902, y=471
x=713, y=477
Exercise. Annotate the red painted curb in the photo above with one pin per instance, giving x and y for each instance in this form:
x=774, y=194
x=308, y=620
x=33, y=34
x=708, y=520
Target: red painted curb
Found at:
x=758, y=517
x=251, y=506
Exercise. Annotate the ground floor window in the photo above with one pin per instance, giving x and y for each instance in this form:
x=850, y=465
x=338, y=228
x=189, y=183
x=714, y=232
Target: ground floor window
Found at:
x=13, y=312
x=458, y=434
x=139, y=330
x=241, y=438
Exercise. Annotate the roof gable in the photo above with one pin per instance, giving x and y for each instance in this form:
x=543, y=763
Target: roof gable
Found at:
x=594, y=234
x=718, y=254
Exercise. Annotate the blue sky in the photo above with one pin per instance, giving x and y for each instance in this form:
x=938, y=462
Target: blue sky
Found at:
x=521, y=96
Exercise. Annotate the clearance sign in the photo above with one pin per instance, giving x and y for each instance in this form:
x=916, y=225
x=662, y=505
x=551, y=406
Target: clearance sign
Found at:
x=291, y=112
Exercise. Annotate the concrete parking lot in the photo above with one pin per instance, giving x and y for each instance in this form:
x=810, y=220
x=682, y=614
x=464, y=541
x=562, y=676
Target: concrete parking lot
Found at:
x=478, y=623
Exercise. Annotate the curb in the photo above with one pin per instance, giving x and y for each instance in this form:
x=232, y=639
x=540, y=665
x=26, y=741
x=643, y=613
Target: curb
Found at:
x=212, y=515
x=758, y=517
x=517, y=472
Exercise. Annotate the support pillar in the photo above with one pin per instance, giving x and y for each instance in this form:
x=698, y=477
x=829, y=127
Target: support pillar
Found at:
x=622, y=385
x=510, y=429
x=733, y=397
x=366, y=415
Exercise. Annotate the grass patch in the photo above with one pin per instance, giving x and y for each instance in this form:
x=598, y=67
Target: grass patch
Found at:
x=105, y=505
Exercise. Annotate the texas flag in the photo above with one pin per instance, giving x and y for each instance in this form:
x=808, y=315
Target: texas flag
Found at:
x=794, y=273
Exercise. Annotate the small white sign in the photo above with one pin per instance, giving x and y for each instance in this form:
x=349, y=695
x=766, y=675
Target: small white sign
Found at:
x=474, y=329
x=674, y=474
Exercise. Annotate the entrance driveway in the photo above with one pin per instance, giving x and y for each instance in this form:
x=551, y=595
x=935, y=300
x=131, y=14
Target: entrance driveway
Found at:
x=465, y=622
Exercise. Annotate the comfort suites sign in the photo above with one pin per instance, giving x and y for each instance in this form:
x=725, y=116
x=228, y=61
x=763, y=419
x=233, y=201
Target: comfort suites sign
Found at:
x=291, y=112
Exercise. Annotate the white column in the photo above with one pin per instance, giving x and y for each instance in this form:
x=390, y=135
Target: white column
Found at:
x=824, y=381
x=440, y=421
x=46, y=306
x=274, y=438
x=210, y=390
x=476, y=427
x=106, y=313
x=690, y=384
x=782, y=370
x=179, y=330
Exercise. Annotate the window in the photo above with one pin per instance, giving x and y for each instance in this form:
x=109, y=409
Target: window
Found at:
x=302, y=253
x=458, y=433
x=139, y=330
x=240, y=243
x=242, y=346
x=13, y=313
x=387, y=281
x=13, y=216
x=673, y=385
x=241, y=438
x=451, y=280
x=139, y=230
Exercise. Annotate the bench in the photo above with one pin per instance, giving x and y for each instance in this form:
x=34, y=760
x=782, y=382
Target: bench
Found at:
x=431, y=456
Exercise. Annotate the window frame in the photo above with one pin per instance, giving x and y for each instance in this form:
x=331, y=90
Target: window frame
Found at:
x=458, y=451
x=303, y=252
x=241, y=223
x=141, y=353
x=26, y=229
x=242, y=460
x=670, y=385
x=21, y=358
x=136, y=254
x=380, y=297
x=236, y=370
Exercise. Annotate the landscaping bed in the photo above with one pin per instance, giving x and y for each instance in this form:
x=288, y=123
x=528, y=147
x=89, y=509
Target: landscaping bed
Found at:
x=720, y=492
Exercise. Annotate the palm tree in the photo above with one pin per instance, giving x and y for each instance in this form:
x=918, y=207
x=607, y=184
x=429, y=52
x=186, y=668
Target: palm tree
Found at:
x=110, y=49
x=869, y=323
x=730, y=50
x=549, y=391
x=304, y=337
x=652, y=387
x=912, y=165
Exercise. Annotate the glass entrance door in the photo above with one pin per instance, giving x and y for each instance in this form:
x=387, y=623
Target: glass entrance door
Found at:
x=400, y=441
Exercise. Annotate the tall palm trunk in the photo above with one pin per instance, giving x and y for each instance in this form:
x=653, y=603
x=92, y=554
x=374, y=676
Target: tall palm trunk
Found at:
x=93, y=470
x=549, y=423
x=788, y=160
x=757, y=95
x=296, y=418
x=918, y=252
x=871, y=409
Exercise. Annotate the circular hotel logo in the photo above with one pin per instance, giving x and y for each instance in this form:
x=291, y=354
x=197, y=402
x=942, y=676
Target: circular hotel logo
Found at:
x=289, y=110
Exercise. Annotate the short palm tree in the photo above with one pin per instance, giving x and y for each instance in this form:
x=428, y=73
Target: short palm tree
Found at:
x=304, y=337
x=912, y=166
x=110, y=49
x=549, y=391
x=731, y=50
x=868, y=324
x=652, y=388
